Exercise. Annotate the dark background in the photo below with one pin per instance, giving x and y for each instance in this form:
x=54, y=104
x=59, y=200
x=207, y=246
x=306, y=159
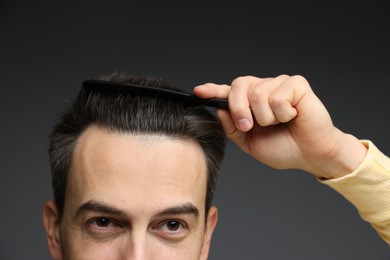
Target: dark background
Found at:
x=48, y=48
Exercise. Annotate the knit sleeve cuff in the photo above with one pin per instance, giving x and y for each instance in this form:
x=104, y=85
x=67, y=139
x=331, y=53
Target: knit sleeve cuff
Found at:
x=368, y=189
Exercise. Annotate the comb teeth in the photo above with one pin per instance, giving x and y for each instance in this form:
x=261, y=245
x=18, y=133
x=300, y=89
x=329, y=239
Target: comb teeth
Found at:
x=127, y=88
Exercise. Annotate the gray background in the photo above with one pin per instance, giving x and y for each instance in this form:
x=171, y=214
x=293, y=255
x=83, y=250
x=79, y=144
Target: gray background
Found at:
x=47, y=49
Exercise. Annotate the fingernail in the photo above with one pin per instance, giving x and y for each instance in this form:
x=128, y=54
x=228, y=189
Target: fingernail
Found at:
x=244, y=124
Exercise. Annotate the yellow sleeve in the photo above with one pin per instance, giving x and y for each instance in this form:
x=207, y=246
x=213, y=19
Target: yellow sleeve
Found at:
x=368, y=189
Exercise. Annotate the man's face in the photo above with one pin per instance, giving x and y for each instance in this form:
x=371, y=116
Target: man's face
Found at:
x=132, y=197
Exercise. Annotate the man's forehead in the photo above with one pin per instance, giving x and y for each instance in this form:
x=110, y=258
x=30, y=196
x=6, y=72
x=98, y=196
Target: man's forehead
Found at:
x=103, y=160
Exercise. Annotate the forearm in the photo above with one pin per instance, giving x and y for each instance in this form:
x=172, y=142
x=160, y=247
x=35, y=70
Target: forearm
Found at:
x=368, y=189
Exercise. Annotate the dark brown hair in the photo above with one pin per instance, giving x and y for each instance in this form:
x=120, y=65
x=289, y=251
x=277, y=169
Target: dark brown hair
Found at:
x=135, y=114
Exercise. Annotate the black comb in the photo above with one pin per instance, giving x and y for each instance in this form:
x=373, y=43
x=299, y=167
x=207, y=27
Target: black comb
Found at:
x=128, y=88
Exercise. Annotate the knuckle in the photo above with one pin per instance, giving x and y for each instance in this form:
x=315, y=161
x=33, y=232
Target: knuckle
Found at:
x=276, y=100
x=257, y=94
x=284, y=76
x=241, y=80
x=298, y=79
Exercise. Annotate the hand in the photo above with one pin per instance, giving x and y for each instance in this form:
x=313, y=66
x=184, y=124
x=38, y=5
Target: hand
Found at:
x=282, y=123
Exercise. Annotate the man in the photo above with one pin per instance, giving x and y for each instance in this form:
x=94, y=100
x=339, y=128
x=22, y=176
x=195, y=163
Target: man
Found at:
x=133, y=175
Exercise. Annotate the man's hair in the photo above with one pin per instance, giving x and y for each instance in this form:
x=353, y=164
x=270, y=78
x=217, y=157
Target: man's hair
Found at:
x=134, y=114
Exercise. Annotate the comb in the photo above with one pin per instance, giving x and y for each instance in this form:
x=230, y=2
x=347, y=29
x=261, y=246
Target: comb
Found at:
x=135, y=89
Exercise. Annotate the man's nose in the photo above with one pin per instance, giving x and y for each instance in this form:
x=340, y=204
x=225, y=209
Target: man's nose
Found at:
x=138, y=246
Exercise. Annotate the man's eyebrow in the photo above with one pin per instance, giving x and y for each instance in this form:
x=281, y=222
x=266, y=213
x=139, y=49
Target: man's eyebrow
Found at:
x=98, y=207
x=187, y=209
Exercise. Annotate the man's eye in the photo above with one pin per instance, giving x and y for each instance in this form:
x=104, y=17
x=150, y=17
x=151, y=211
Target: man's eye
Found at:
x=172, y=230
x=102, y=225
x=103, y=222
x=172, y=225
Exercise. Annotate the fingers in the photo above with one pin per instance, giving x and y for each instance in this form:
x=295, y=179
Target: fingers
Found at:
x=252, y=100
x=272, y=100
x=259, y=97
x=239, y=104
x=211, y=90
x=284, y=98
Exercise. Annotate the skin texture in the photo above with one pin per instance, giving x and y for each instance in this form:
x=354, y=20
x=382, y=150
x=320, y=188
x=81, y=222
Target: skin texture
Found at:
x=132, y=197
x=282, y=123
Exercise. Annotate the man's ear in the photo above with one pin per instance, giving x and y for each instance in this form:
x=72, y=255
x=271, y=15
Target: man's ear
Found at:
x=212, y=219
x=52, y=227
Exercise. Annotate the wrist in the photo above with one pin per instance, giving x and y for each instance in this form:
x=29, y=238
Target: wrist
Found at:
x=348, y=154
